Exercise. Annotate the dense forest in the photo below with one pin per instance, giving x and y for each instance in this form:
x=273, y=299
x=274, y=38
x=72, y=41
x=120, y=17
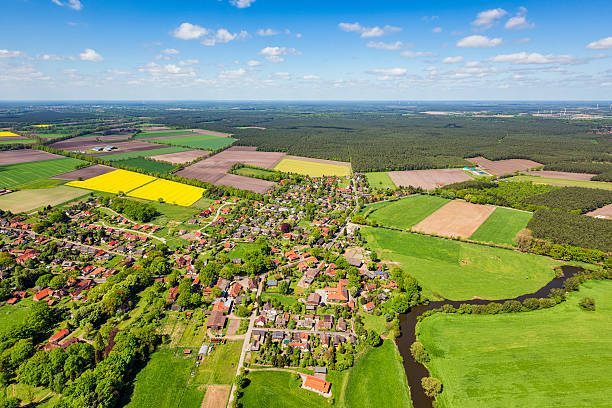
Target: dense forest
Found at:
x=577, y=199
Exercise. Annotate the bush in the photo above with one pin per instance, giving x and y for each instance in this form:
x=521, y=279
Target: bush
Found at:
x=587, y=303
x=419, y=353
x=511, y=306
x=572, y=284
x=493, y=308
x=432, y=386
x=531, y=303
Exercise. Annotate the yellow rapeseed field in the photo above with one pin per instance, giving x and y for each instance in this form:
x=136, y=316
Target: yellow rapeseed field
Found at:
x=312, y=169
x=114, y=182
x=42, y=126
x=170, y=191
x=4, y=133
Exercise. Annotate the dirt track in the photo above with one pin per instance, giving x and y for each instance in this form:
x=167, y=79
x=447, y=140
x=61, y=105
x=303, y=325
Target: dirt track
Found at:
x=455, y=219
x=25, y=156
x=428, y=179
x=605, y=212
x=501, y=167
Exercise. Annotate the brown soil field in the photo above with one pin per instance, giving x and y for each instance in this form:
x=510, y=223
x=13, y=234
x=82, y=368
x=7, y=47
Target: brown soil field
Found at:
x=216, y=396
x=605, y=212
x=86, y=143
x=85, y=173
x=25, y=156
x=214, y=169
x=155, y=128
x=181, y=157
x=13, y=138
x=455, y=219
x=428, y=179
x=322, y=161
x=501, y=167
x=232, y=326
x=562, y=175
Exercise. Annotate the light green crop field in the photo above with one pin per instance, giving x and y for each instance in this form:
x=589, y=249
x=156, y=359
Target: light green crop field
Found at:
x=163, y=381
x=380, y=179
x=502, y=226
x=312, y=169
x=160, y=133
x=143, y=153
x=557, y=357
x=406, y=212
x=146, y=164
x=563, y=182
x=458, y=270
x=17, y=174
x=28, y=200
x=378, y=380
x=250, y=172
x=43, y=183
x=206, y=142
x=278, y=389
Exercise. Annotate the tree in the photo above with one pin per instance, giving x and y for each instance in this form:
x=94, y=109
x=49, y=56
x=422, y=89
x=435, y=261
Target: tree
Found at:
x=419, y=353
x=587, y=303
x=57, y=217
x=372, y=338
x=283, y=287
x=401, y=303
x=432, y=386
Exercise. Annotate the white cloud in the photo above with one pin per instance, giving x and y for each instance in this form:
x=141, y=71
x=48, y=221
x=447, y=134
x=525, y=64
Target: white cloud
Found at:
x=486, y=19
x=478, y=41
x=535, y=58
x=604, y=43
x=169, y=70
x=368, y=32
x=117, y=72
x=522, y=40
x=519, y=21
x=273, y=54
x=413, y=54
x=398, y=45
x=392, y=72
x=171, y=51
x=267, y=32
x=437, y=30
x=282, y=75
x=311, y=77
x=73, y=4
x=50, y=57
x=188, y=31
x=188, y=62
x=430, y=18
x=223, y=36
x=20, y=73
x=90, y=55
x=11, y=54
x=242, y=3
x=298, y=35
x=232, y=73
x=452, y=60
x=253, y=63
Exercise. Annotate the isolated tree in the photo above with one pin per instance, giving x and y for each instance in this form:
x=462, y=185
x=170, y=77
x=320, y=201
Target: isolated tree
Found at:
x=432, y=386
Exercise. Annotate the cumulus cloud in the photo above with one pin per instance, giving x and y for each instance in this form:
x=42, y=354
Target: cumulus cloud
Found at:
x=20, y=73
x=398, y=45
x=311, y=77
x=168, y=70
x=478, y=41
x=232, y=73
x=267, y=32
x=604, y=43
x=188, y=62
x=224, y=36
x=171, y=51
x=50, y=57
x=452, y=60
x=11, y=54
x=413, y=54
x=368, y=32
x=391, y=72
x=535, y=58
x=188, y=31
x=519, y=21
x=522, y=40
x=253, y=63
x=282, y=75
x=437, y=30
x=242, y=3
x=486, y=19
x=90, y=55
x=274, y=54
x=73, y=4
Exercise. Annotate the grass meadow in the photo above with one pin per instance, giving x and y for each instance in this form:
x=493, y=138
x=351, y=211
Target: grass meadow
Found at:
x=13, y=315
x=28, y=200
x=159, y=133
x=250, y=172
x=277, y=389
x=206, y=142
x=406, y=212
x=458, y=270
x=380, y=180
x=17, y=174
x=557, y=357
x=502, y=226
x=563, y=182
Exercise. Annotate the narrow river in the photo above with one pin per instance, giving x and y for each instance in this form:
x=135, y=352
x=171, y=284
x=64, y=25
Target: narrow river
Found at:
x=415, y=371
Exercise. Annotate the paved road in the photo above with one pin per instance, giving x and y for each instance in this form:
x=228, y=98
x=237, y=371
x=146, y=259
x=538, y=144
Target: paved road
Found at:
x=214, y=219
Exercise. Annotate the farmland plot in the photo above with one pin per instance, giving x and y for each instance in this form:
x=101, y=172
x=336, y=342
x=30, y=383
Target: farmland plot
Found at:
x=114, y=182
x=170, y=191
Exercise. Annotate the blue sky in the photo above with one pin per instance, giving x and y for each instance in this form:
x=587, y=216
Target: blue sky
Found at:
x=305, y=50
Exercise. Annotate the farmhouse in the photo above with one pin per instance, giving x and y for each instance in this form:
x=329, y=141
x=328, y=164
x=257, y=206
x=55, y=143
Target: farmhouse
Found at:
x=216, y=321
x=338, y=293
x=317, y=385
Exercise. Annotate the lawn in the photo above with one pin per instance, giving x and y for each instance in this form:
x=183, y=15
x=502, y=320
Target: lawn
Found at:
x=206, y=142
x=219, y=367
x=380, y=179
x=241, y=249
x=458, y=270
x=312, y=169
x=146, y=164
x=250, y=172
x=378, y=380
x=285, y=300
x=558, y=357
x=142, y=153
x=12, y=316
x=502, y=226
x=163, y=381
x=406, y=212
x=377, y=323
x=277, y=389
x=563, y=182
x=170, y=212
x=28, y=200
x=17, y=174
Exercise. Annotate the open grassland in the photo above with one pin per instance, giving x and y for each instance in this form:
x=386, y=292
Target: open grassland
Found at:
x=114, y=182
x=146, y=164
x=205, y=142
x=28, y=200
x=563, y=182
x=143, y=153
x=170, y=191
x=406, y=212
x=17, y=174
x=558, y=357
x=277, y=389
x=311, y=168
x=502, y=226
x=241, y=249
x=163, y=381
x=250, y=172
x=219, y=367
x=380, y=179
x=42, y=183
x=458, y=270
x=378, y=380
x=13, y=315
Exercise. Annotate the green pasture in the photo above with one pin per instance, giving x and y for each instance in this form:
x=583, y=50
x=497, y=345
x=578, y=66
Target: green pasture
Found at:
x=502, y=226
x=406, y=212
x=17, y=174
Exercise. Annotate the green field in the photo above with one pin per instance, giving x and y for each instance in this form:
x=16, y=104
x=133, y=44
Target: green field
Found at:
x=42, y=183
x=406, y=212
x=277, y=389
x=28, y=200
x=380, y=179
x=206, y=142
x=458, y=270
x=558, y=357
x=502, y=226
x=163, y=381
x=219, y=367
x=378, y=380
x=26, y=141
x=160, y=133
x=312, y=169
x=17, y=174
x=563, y=182
x=241, y=249
x=251, y=172
x=142, y=153
x=11, y=316
x=146, y=164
